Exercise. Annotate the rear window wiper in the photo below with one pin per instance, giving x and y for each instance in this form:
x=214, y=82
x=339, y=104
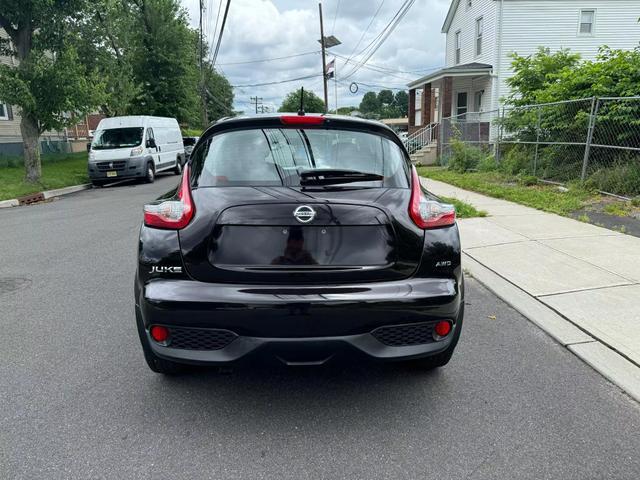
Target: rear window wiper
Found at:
x=332, y=176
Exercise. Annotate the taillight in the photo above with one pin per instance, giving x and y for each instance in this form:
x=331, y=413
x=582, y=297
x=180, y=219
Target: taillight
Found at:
x=428, y=213
x=172, y=214
x=302, y=119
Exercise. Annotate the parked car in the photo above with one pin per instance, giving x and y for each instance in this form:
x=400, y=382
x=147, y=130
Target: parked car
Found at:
x=299, y=237
x=135, y=147
x=189, y=143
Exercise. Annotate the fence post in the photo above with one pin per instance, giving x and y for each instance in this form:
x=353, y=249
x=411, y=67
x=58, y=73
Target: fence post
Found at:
x=499, y=140
x=595, y=104
x=535, y=158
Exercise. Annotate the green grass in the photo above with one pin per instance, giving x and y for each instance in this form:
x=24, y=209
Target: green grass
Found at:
x=57, y=171
x=464, y=210
x=620, y=209
x=498, y=185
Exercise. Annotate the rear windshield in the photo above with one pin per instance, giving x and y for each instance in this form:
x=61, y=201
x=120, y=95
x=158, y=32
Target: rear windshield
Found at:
x=277, y=156
x=117, y=138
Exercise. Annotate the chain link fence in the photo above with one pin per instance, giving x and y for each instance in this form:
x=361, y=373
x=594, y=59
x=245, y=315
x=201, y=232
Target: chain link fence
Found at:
x=594, y=140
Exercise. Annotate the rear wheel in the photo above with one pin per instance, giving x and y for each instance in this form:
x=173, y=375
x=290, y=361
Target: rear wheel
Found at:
x=150, y=174
x=178, y=169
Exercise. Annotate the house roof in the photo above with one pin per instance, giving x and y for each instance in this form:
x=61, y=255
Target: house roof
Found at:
x=466, y=69
x=450, y=14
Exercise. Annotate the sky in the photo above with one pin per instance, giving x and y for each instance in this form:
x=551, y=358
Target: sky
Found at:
x=265, y=29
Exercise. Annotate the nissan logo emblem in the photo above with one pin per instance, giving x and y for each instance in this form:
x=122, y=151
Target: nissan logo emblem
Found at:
x=304, y=214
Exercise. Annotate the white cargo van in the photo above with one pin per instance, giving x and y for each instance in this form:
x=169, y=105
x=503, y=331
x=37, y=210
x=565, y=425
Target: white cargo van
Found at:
x=135, y=147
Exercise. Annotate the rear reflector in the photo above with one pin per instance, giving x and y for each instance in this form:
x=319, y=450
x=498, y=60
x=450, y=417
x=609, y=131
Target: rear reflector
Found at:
x=442, y=329
x=428, y=213
x=159, y=333
x=302, y=119
x=172, y=214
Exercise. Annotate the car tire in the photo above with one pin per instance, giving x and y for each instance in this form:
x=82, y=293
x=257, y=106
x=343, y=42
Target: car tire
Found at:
x=440, y=359
x=178, y=169
x=97, y=183
x=150, y=174
x=155, y=363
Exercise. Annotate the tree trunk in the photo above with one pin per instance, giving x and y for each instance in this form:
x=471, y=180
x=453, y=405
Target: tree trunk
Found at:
x=30, y=137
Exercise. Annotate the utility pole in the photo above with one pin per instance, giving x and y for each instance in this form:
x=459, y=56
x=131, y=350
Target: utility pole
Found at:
x=256, y=101
x=324, y=62
x=205, y=116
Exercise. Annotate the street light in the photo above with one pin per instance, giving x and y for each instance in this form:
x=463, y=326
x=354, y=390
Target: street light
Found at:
x=326, y=42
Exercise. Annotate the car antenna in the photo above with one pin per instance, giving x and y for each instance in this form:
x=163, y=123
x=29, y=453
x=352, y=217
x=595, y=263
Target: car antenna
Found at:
x=301, y=111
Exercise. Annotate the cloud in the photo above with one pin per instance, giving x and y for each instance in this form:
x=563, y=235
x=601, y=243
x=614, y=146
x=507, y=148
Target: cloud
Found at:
x=258, y=29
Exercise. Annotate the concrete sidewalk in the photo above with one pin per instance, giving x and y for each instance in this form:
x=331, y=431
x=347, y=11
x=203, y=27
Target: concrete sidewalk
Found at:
x=589, y=276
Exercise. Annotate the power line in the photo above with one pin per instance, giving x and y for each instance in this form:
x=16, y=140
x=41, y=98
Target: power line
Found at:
x=224, y=21
x=262, y=60
x=377, y=42
x=366, y=29
x=276, y=83
x=380, y=68
x=215, y=29
x=335, y=16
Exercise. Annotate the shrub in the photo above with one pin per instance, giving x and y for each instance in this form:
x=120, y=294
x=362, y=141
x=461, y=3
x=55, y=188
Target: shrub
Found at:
x=517, y=160
x=527, y=180
x=488, y=164
x=623, y=178
x=465, y=157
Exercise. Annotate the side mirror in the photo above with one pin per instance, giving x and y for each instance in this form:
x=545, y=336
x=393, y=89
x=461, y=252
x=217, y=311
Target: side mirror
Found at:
x=151, y=143
x=89, y=147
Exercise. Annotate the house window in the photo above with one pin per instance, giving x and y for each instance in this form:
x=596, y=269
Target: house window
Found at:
x=479, y=31
x=417, y=120
x=458, y=46
x=587, y=21
x=4, y=112
x=477, y=101
x=461, y=104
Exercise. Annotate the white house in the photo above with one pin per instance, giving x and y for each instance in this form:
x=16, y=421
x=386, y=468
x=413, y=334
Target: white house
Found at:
x=482, y=34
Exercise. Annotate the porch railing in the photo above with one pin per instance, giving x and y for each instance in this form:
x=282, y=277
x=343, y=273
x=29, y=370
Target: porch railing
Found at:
x=422, y=138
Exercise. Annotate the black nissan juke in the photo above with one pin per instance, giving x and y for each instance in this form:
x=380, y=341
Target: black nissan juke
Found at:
x=300, y=237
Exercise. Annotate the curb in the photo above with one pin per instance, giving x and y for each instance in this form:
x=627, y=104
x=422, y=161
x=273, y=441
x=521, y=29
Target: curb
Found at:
x=46, y=195
x=606, y=361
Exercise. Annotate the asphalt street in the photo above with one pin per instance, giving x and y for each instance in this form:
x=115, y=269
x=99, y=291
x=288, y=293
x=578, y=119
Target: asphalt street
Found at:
x=77, y=400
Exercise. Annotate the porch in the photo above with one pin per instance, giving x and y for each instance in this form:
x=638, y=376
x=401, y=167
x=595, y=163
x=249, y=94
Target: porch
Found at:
x=458, y=95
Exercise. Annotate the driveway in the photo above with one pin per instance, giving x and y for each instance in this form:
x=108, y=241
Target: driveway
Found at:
x=77, y=400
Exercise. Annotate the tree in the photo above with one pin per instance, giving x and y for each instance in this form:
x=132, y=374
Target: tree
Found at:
x=166, y=63
x=312, y=103
x=402, y=102
x=370, y=103
x=219, y=95
x=385, y=97
x=346, y=110
x=107, y=43
x=534, y=74
x=49, y=82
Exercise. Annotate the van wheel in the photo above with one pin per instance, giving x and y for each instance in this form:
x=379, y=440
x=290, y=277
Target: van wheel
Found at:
x=178, y=169
x=150, y=175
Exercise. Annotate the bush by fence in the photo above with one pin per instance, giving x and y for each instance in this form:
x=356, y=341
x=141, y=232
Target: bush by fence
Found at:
x=595, y=140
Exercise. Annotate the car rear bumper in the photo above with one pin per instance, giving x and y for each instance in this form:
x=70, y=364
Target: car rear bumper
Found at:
x=298, y=324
